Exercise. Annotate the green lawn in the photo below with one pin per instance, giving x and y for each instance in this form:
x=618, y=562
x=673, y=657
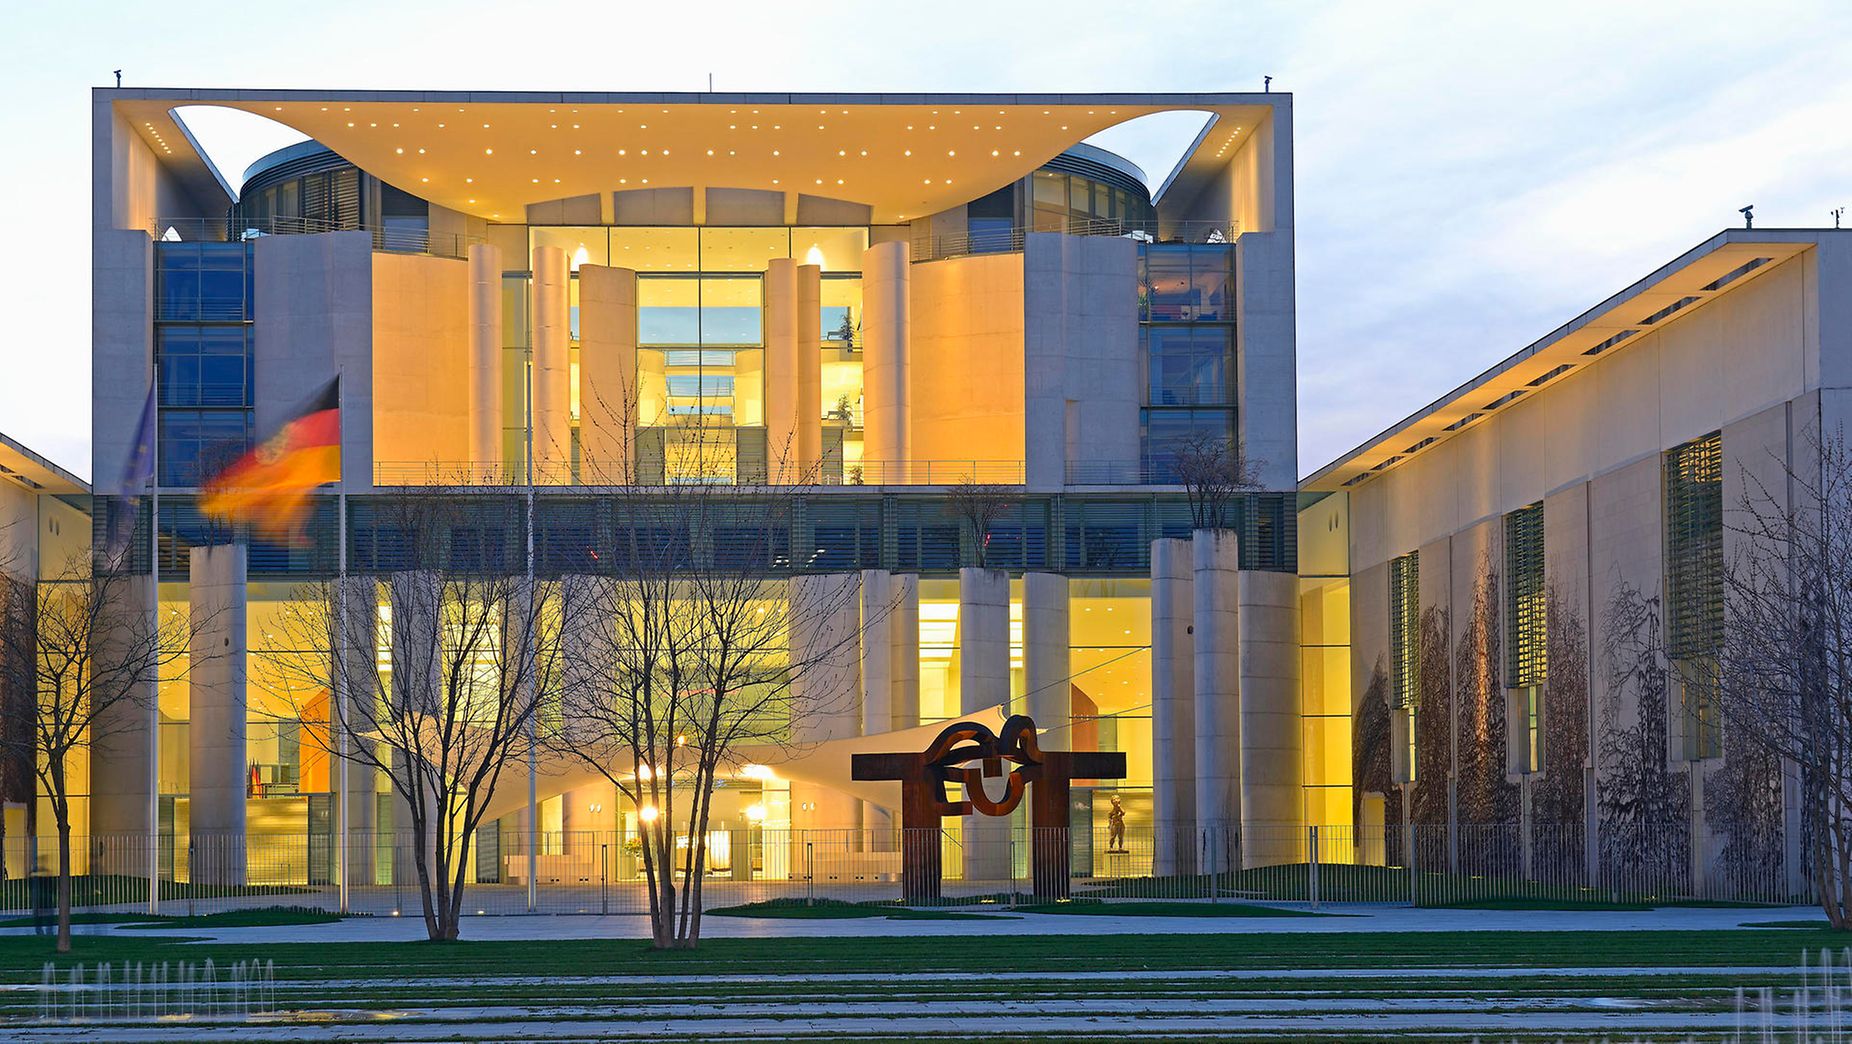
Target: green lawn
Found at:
x=22, y=956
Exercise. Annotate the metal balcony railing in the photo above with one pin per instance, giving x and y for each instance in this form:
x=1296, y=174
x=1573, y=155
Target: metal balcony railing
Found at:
x=229, y=230
x=1000, y=241
x=711, y=470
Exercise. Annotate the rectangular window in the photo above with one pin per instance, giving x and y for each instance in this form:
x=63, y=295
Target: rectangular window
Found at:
x=1190, y=365
x=202, y=282
x=1188, y=283
x=1526, y=657
x=204, y=365
x=1694, y=588
x=1166, y=431
x=196, y=444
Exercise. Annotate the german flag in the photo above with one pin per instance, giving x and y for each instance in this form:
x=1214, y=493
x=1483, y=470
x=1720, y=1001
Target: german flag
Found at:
x=268, y=488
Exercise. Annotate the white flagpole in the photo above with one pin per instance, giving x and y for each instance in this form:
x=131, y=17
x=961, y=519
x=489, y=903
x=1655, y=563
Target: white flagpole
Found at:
x=339, y=655
x=154, y=683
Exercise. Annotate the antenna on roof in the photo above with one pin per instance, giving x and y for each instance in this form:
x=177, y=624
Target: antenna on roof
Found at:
x=1749, y=215
x=1266, y=85
x=118, y=78
x=710, y=83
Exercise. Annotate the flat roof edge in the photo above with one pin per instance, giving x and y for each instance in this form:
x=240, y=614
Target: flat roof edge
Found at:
x=1708, y=246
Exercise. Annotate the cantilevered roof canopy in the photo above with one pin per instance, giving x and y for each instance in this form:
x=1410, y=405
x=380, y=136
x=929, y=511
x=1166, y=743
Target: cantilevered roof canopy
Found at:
x=1715, y=267
x=491, y=155
x=29, y=470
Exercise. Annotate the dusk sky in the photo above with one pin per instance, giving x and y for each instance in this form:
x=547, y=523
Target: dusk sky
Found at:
x=1468, y=176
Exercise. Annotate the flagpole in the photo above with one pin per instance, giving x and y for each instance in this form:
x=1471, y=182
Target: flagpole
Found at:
x=339, y=648
x=154, y=702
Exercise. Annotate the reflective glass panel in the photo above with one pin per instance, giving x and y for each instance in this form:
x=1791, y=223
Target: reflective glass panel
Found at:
x=742, y=249
x=668, y=311
x=583, y=246
x=655, y=249
x=731, y=311
x=835, y=249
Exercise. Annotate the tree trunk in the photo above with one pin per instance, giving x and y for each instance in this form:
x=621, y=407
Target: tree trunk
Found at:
x=64, y=883
x=432, y=929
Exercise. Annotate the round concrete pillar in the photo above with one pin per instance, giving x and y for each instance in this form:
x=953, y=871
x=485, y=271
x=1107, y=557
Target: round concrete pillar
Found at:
x=1173, y=709
x=1215, y=595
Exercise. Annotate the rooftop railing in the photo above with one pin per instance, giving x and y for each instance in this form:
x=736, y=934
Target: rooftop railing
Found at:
x=397, y=240
x=1001, y=241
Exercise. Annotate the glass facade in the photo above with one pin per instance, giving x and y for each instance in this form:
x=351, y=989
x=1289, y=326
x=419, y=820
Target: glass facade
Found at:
x=203, y=357
x=1187, y=339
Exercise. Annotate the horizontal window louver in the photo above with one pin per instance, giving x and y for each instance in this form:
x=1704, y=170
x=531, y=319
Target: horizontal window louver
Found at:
x=1405, y=631
x=1106, y=536
x=1526, y=661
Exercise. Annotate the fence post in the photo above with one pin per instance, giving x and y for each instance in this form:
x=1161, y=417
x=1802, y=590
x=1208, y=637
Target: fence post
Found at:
x=810, y=876
x=1312, y=863
x=604, y=879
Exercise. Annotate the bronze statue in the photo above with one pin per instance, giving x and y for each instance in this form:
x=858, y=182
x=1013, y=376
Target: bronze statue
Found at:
x=1115, y=827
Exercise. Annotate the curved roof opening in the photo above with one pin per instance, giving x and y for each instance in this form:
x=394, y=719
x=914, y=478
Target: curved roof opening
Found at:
x=233, y=139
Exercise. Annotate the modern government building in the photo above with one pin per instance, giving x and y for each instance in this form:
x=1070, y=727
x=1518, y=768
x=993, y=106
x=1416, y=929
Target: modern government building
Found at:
x=880, y=298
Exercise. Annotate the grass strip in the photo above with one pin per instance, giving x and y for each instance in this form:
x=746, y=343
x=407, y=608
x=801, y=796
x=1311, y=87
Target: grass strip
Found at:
x=837, y=909
x=1135, y=908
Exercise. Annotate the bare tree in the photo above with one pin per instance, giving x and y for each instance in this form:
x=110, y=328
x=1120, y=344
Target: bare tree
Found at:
x=473, y=661
x=1213, y=470
x=978, y=505
x=90, y=649
x=1786, y=671
x=681, y=650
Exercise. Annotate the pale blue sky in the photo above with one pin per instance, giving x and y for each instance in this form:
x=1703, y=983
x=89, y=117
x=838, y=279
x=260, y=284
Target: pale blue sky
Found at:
x=1469, y=175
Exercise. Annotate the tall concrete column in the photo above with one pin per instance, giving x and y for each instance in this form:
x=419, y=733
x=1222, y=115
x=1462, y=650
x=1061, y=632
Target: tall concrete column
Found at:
x=607, y=374
x=984, y=682
x=905, y=589
x=885, y=442
x=485, y=357
x=552, y=373
x=809, y=372
x=1046, y=672
x=217, y=704
x=877, y=640
x=782, y=442
x=1272, y=722
x=122, y=755
x=1215, y=593
x=1173, y=709
x=824, y=622
x=354, y=782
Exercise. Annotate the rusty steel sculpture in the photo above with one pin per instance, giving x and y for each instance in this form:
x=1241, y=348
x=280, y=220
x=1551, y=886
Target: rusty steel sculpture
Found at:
x=967, y=753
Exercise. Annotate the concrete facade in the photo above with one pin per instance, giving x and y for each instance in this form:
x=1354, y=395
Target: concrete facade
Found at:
x=1734, y=339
